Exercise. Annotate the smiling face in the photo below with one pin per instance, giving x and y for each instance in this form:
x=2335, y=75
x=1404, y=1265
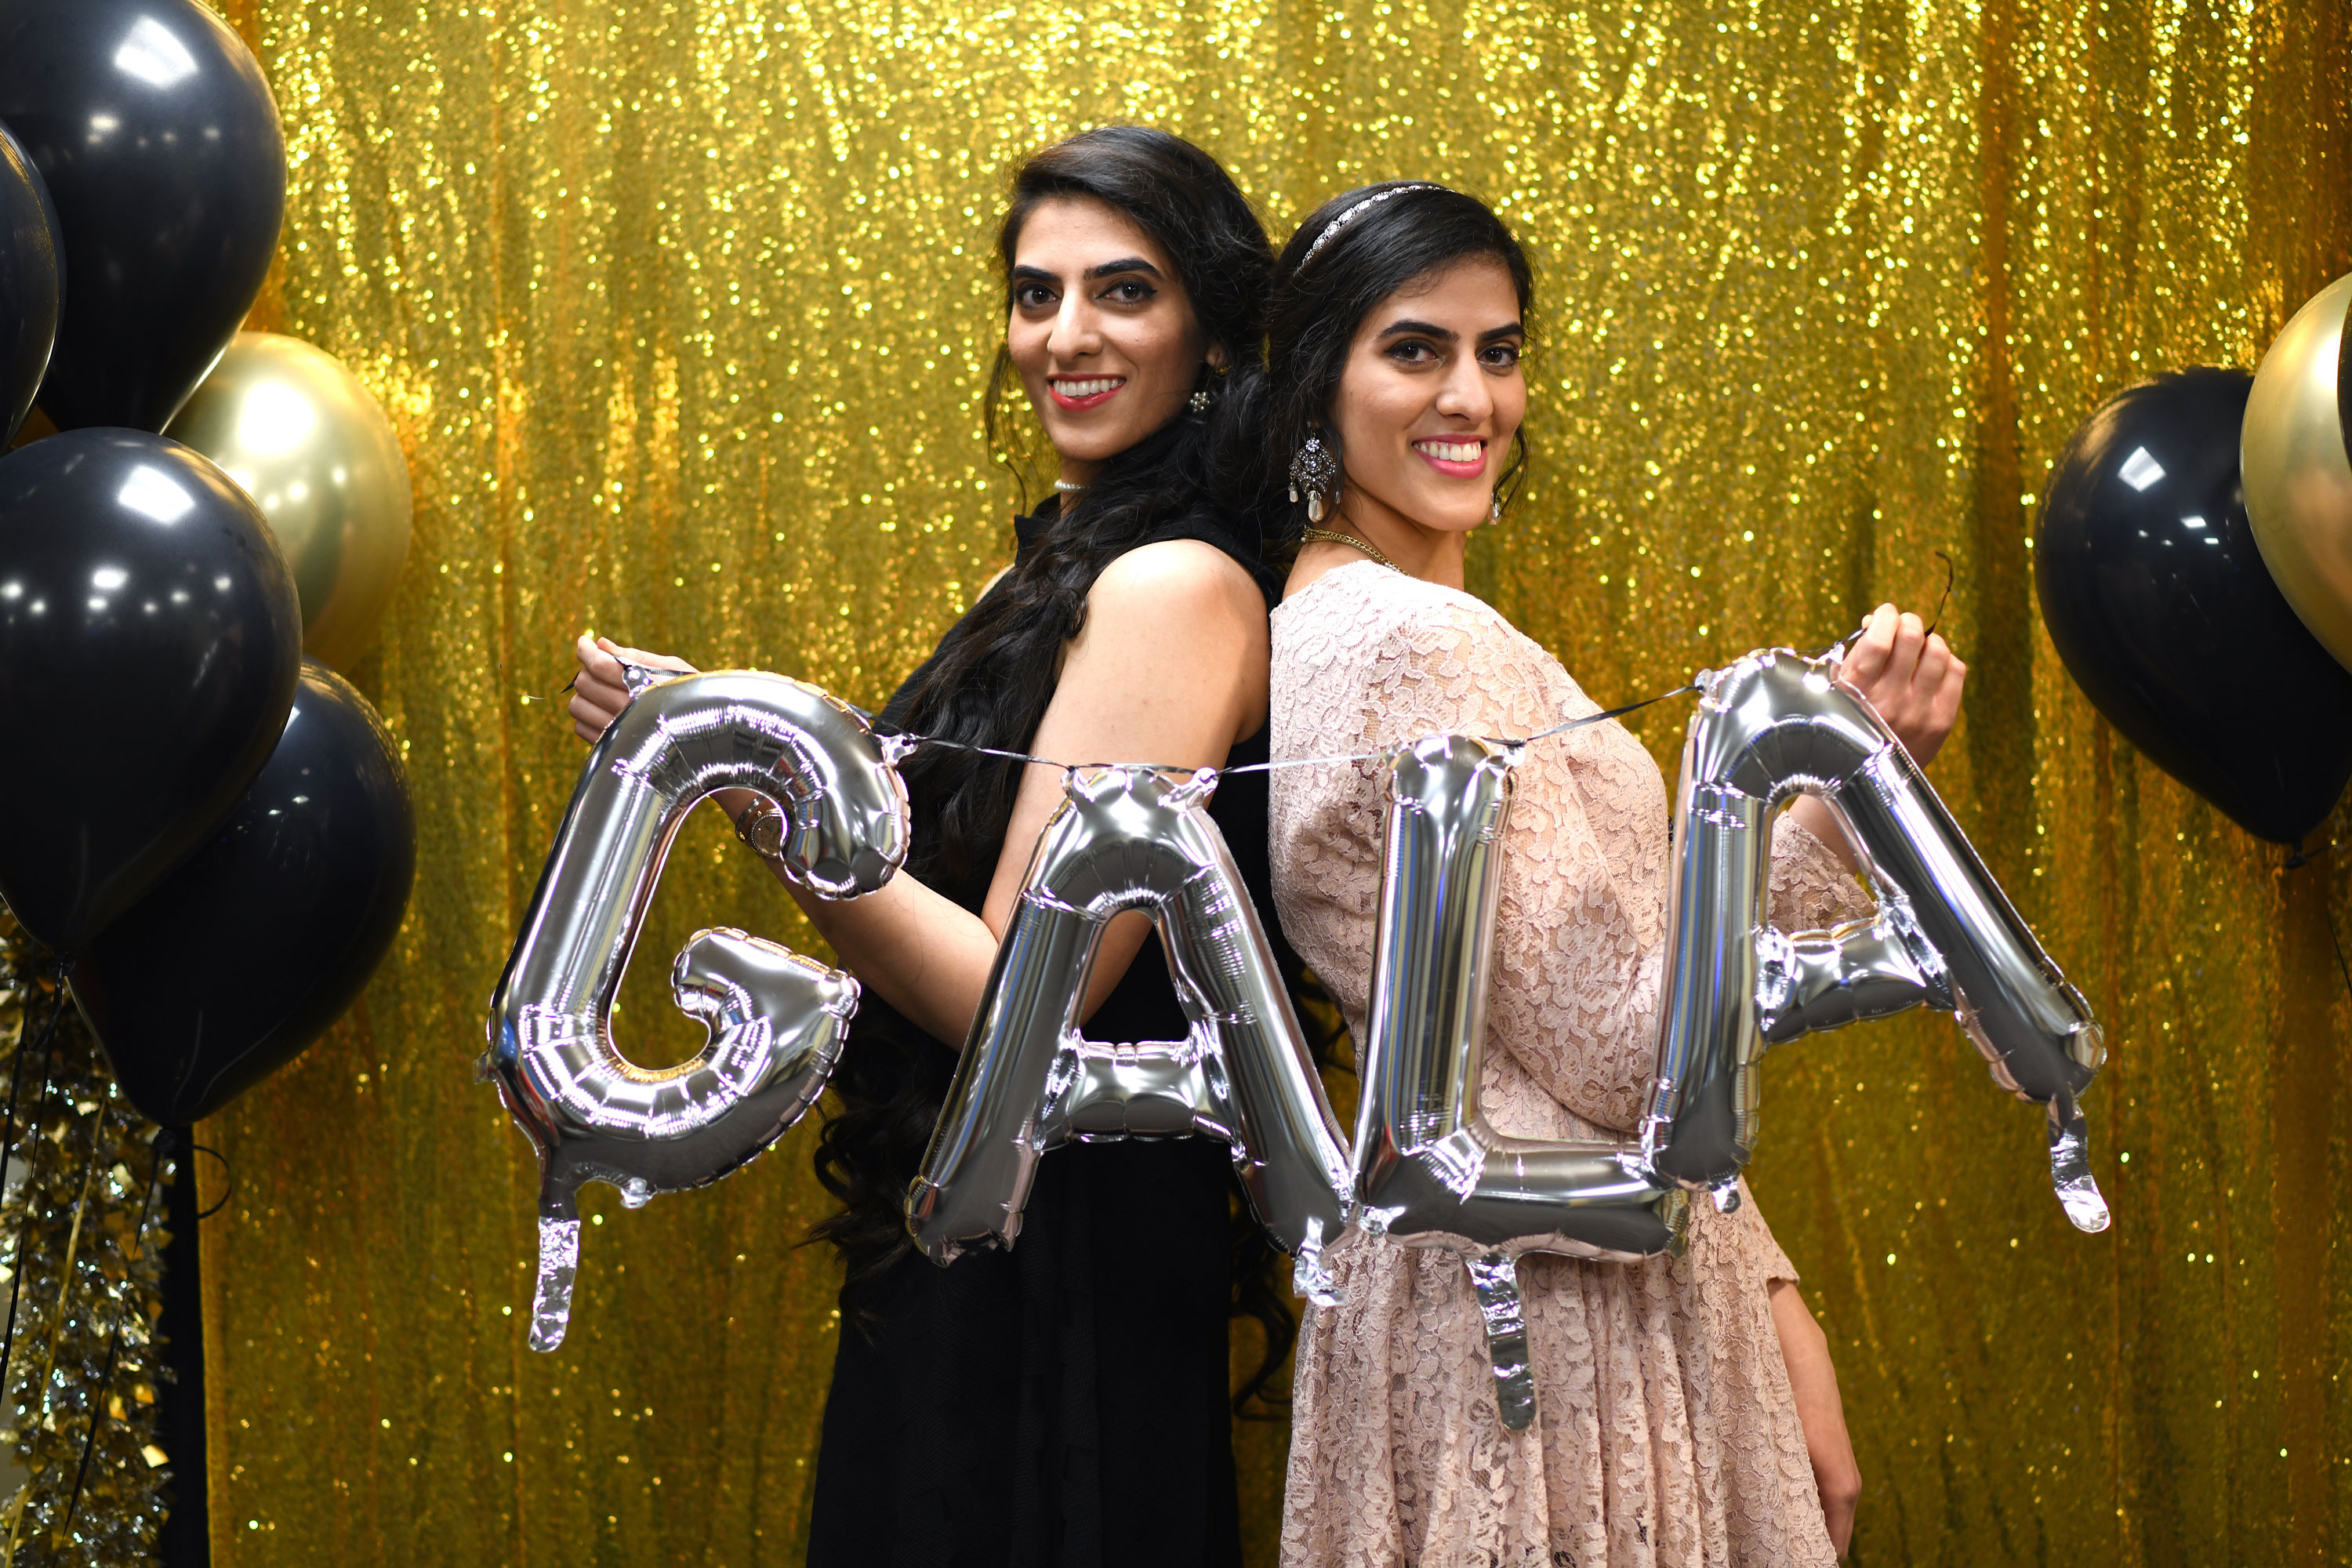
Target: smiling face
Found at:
x=1426, y=406
x=1100, y=331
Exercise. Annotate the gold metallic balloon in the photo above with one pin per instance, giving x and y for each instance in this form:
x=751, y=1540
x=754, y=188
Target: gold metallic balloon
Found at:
x=316, y=452
x=2298, y=481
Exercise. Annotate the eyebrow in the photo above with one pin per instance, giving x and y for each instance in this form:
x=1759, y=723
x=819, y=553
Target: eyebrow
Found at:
x=1107, y=269
x=1124, y=264
x=1425, y=329
x=1446, y=334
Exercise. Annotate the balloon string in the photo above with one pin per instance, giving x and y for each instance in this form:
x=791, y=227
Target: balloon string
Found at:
x=1611, y=713
x=529, y=698
x=910, y=740
x=907, y=740
x=16, y=1082
x=228, y=1178
x=57, y=1329
x=2297, y=859
x=1943, y=598
x=162, y=1147
x=2334, y=941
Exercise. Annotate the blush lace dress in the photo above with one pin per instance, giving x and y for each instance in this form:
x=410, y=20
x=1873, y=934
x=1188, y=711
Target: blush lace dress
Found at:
x=1665, y=1431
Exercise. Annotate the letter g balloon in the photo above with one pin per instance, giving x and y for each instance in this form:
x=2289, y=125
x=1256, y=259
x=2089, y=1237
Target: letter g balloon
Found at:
x=776, y=1019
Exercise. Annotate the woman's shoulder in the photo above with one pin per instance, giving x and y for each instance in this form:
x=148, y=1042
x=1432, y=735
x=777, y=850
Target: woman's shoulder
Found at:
x=1175, y=614
x=1381, y=611
x=1182, y=575
x=1202, y=542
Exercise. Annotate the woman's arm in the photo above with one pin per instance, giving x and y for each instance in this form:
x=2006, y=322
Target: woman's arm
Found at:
x=1170, y=668
x=1812, y=1378
x=1913, y=680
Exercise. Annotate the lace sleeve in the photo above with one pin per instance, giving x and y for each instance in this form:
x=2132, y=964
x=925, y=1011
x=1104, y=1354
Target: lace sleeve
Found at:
x=1450, y=671
x=1809, y=887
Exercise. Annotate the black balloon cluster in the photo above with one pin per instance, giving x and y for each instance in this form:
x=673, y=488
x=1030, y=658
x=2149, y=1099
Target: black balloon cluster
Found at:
x=2163, y=595
x=211, y=834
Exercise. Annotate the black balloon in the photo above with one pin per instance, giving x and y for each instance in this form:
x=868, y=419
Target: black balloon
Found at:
x=2161, y=608
x=151, y=123
x=149, y=637
x=32, y=280
x=249, y=951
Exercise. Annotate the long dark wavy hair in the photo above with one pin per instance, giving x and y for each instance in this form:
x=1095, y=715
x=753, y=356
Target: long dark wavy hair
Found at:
x=989, y=681
x=1317, y=306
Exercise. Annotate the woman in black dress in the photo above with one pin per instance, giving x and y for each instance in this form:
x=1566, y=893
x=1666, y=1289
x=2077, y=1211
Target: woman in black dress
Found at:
x=1064, y=1403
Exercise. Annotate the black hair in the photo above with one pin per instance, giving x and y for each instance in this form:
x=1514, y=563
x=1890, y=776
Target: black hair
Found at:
x=1351, y=253
x=989, y=681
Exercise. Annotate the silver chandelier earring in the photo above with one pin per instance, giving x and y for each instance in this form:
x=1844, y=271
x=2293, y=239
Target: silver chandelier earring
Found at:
x=1199, y=402
x=1315, y=471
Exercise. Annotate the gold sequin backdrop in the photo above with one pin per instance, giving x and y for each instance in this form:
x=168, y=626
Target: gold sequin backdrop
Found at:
x=682, y=309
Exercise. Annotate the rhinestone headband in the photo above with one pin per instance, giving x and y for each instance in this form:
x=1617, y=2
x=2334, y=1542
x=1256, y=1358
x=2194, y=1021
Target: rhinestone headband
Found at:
x=1352, y=214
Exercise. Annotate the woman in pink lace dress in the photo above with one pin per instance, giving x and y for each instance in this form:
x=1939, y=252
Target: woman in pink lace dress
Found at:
x=1688, y=1412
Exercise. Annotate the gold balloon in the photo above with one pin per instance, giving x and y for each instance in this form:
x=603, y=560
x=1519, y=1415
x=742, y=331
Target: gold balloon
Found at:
x=315, y=451
x=2298, y=481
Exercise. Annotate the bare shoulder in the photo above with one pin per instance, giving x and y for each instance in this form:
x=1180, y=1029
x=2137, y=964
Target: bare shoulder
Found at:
x=1181, y=617
x=1176, y=579
x=1170, y=662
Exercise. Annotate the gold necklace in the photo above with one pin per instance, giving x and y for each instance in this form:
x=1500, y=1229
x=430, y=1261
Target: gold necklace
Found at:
x=1333, y=536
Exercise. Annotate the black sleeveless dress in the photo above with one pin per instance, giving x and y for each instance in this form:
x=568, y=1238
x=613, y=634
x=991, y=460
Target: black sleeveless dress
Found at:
x=1064, y=1404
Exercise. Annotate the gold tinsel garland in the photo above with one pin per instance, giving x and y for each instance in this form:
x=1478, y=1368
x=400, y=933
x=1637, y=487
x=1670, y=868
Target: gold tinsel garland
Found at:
x=86, y=1281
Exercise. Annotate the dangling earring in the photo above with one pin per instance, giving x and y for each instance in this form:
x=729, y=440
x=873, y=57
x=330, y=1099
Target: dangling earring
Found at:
x=1316, y=472
x=1495, y=513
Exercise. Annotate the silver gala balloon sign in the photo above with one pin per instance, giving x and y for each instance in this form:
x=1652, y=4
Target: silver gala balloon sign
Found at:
x=776, y=1020
x=1426, y=1168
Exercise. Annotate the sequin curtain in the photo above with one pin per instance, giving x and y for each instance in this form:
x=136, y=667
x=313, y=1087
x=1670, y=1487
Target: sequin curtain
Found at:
x=682, y=309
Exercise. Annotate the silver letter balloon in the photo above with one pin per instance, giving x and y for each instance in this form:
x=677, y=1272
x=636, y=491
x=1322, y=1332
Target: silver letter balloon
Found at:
x=1133, y=838
x=1768, y=727
x=776, y=1020
x=1430, y=1171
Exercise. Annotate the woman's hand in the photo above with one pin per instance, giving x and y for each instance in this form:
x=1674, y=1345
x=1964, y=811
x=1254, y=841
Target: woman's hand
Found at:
x=1813, y=1378
x=1910, y=676
x=602, y=690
